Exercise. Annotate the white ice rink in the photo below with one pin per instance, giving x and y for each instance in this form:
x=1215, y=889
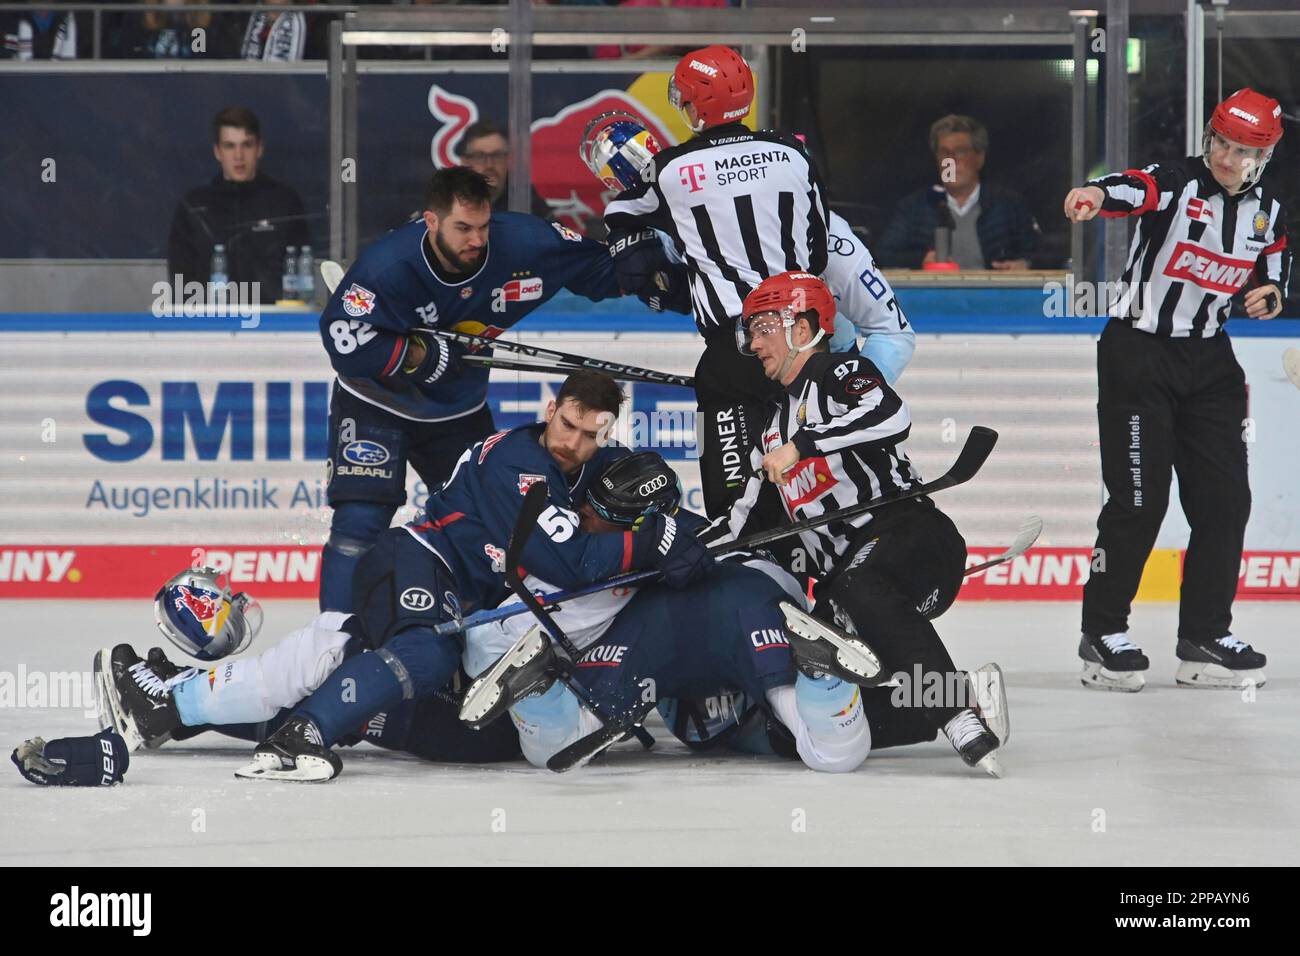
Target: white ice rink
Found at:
x=1167, y=776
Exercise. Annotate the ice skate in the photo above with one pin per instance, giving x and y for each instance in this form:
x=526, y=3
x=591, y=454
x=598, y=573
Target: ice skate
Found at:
x=133, y=696
x=1227, y=662
x=295, y=753
x=1112, y=662
x=822, y=648
x=527, y=668
x=974, y=741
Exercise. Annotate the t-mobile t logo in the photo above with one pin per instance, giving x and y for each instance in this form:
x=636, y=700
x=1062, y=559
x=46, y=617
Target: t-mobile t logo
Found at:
x=693, y=177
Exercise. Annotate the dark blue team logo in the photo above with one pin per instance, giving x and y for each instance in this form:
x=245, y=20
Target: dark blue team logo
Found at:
x=365, y=453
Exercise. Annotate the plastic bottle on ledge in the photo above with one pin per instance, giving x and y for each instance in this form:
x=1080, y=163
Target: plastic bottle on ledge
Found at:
x=218, y=277
x=306, y=275
x=289, y=276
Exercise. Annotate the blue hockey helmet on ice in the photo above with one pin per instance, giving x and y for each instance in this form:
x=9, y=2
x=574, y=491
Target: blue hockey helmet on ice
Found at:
x=617, y=147
x=198, y=614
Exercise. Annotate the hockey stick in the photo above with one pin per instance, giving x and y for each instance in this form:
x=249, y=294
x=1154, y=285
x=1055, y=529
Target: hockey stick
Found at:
x=1291, y=364
x=331, y=273
x=616, y=369
x=545, y=366
x=535, y=502
x=978, y=447
x=1030, y=529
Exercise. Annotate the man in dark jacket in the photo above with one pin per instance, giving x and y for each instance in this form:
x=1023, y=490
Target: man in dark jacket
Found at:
x=485, y=149
x=254, y=216
x=992, y=227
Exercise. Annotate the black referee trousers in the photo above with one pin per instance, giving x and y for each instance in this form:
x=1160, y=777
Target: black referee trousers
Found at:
x=1169, y=403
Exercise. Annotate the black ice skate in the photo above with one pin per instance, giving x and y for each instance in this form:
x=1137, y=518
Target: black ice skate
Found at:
x=529, y=667
x=133, y=696
x=1112, y=662
x=974, y=742
x=1227, y=662
x=295, y=753
x=822, y=648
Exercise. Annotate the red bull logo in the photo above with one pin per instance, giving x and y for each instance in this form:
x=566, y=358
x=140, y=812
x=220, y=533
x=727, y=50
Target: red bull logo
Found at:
x=456, y=114
x=205, y=606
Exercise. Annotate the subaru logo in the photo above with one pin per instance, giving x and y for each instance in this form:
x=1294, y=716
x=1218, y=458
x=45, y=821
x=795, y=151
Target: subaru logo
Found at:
x=365, y=453
x=416, y=599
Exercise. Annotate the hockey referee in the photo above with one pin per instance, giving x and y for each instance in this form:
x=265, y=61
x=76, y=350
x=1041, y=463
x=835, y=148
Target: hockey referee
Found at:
x=739, y=206
x=1171, y=393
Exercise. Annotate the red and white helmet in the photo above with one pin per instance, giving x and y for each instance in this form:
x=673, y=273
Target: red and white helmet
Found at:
x=787, y=296
x=1251, y=120
x=715, y=80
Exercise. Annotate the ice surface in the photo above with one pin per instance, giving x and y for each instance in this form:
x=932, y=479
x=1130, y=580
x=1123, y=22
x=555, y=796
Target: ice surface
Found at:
x=1173, y=775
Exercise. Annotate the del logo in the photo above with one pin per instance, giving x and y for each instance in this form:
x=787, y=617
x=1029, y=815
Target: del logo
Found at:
x=496, y=556
x=365, y=453
x=527, y=481
x=1199, y=210
x=810, y=480
x=358, y=301
x=416, y=599
x=519, y=290
x=603, y=655
x=861, y=384
x=1207, y=270
x=1259, y=222
x=768, y=638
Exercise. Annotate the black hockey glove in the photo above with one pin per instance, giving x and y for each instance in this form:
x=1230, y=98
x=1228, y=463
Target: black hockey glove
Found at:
x=680, y=555
x=441, y=362
x=644, y=270
x=98, y=761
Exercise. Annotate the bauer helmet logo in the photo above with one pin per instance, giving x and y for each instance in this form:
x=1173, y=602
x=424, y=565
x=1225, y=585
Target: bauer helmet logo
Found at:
x=416, y=599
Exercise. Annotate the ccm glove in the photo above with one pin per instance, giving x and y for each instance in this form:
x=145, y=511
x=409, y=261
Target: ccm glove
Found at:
x=441, y=361
x=98, y=761
x=662, y=543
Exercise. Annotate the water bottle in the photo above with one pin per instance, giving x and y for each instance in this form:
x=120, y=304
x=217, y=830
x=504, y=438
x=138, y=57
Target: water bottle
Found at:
x=306, y=275
x=217, y=275
x=289, y=280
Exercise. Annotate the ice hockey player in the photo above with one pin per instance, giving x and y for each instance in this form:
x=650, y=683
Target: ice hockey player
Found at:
x=1172, y=394
x=834, y=442
x=617, y=148
x=716, y=658
x=739, y=206
x=403, y=397
x=453, y=562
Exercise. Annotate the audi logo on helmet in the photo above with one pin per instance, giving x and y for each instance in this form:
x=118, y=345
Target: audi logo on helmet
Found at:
x=648, y=488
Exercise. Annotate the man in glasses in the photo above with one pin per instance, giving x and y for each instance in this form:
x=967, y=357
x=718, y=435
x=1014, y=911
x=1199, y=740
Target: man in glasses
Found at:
x=485, y=149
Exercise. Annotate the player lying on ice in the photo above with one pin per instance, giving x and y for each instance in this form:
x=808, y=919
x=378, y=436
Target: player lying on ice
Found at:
x=714, y=657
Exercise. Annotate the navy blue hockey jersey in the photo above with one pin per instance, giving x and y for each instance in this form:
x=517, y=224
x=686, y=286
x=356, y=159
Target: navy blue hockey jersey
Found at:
x=470, y=519
x=393, y=288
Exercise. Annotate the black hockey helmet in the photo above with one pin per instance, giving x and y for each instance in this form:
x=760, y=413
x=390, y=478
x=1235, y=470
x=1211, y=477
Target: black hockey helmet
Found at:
x=634, y=488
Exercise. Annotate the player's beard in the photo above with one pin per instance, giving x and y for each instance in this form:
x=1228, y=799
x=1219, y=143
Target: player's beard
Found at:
x=460, y=262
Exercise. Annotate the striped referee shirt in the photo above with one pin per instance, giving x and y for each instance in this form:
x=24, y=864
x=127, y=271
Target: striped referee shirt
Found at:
x=739, y=205
x=847, y=424
x=1194, y=248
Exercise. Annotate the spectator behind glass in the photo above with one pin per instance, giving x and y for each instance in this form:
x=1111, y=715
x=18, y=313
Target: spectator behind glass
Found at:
x=485, y=149
x=992, y=227
x=167, y=31
x=276, y=36
x=38, y=34
x=253, y=215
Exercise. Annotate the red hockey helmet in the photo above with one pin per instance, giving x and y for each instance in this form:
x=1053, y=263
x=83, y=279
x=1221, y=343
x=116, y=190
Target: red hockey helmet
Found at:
x=715, y=80
x=1249, y=118
x=788, y=295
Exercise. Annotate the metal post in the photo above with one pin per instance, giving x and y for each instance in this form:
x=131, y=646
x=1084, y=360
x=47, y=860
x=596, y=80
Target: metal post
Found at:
x=97, y=30
x=336, y=140
x=1117, y=117
x=351, y=139
x=521, y=105
x=1195, y=109
x=1078, y=137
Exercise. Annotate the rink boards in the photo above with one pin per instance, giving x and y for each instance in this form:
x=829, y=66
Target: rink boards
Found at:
x=135, y=446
